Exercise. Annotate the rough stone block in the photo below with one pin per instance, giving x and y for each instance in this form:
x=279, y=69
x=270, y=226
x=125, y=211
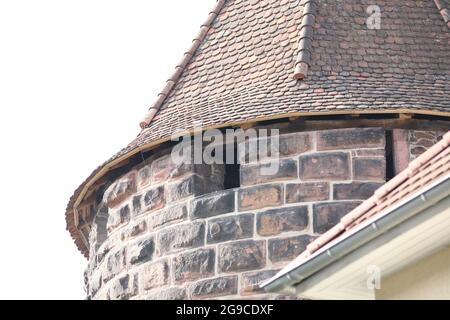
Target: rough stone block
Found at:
x=295, y=143
x=134, y=230
x=351, y=138
x=327, y=215
x=118, y=217
x=417, y=151
x=174, y=293
x=115, y=263
x=325, y=166
x=189, y=186
x=242, y=256
x=283, y=169
x=193, y=265
x=102, y=251
x=154, y=275
x=354, y=190
x=287, y=249
x=141, y=251
x=288, y=145
x=161, y=218
x=154, y=199
x=230, y=228
x=180, y=237
x=213, y=204
x=276, y=221
x=95, y=282
x=258, y=197
x=251, y=281
x=211, y=288
x=162, y=169
x=124, y=288
x=370, y=153
x=137, y=204
x=144, y=177
x=369, y=169
x=307, y=192
x=119, y=191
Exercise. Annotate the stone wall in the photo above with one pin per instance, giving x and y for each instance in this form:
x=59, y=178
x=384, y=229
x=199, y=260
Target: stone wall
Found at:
x=166, y=231
x=420, y=141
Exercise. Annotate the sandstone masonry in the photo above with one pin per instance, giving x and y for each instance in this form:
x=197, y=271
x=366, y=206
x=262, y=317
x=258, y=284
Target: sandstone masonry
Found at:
x=167, y=231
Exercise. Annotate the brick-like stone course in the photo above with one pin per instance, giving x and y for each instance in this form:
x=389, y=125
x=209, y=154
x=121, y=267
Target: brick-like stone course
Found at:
x=193, y=265
x=354, y=190
x=369, y=169
x=325, y=166
x=167, y=216
x=307, y=192
x=154, y=275
x=275, y=221
x=284, y=169
x=242, y=256
x=211, y=288
x=288, y=248
x=420, y=141
x=121, y=190
x=252, y=280
x=258, y=197
x=326, y=215
x=351, y=139
x=180, y=237
x=213, y=204
x=169, y=231
x=230, y=228
x=141, y=251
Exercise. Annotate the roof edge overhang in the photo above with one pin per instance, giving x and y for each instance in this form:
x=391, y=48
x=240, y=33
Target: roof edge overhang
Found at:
x=302, y=270
x=100, y=172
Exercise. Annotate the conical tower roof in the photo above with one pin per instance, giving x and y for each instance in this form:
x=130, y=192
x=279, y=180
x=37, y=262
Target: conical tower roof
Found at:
x=257, y=60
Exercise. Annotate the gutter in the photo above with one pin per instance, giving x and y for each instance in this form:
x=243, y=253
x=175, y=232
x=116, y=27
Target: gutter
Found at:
x=288, y=278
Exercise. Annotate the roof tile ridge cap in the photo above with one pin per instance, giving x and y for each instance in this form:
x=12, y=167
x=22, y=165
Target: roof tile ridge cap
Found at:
x=303, y=59
x=378, y=195
x=170, y=84
x=444, y=10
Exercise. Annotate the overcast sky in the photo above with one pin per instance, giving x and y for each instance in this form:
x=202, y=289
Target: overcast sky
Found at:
x=76, y=77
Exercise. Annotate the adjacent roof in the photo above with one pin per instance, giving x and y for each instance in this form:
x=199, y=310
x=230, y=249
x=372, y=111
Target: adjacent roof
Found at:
x=241, y=67
x=428, y=168
x=444, y=10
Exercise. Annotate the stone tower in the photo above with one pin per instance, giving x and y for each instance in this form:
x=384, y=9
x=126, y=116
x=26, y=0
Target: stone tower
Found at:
x=356, y=90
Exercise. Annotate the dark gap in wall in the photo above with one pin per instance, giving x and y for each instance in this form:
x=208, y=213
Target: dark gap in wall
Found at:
x=273, y=121
x=390, y=166
x=328, y=117
x=232, y=170
x=378, y=116
x=430, y=117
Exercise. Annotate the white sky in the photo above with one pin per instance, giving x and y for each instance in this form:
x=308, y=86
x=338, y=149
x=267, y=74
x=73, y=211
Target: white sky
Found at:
x=76, y=77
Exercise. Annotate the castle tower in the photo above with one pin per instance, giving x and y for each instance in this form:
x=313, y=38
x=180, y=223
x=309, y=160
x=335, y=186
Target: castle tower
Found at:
x=355, y=90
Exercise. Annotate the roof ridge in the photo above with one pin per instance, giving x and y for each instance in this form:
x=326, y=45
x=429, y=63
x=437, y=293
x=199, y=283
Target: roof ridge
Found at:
x=444, y=9
x=170, y=84
x=305, y=42
x=368, y=204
